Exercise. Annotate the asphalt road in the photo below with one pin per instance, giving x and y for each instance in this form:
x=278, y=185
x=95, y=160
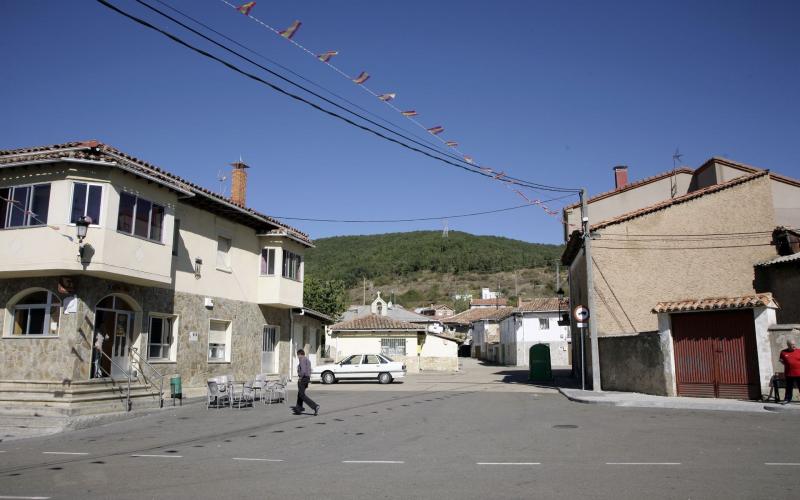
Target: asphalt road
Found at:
x=461, y=440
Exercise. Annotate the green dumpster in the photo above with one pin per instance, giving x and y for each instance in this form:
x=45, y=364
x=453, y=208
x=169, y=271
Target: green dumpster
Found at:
x=175, y=389
x=539, y=358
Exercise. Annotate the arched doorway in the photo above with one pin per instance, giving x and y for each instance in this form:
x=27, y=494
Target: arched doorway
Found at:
x=113, y=331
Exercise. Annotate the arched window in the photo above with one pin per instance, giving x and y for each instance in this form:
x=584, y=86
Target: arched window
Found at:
x=37, y=313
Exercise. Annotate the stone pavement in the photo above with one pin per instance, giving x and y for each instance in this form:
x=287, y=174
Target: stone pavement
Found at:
x=636, y=400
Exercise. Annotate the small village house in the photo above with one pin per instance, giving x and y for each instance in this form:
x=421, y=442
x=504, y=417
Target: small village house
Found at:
x=674, y=280
x=175, y=279
x=535, y=322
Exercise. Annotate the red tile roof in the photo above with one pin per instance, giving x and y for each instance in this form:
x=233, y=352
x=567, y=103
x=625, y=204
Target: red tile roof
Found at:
x=546, y=304
x=482, y=313
x=749, y=169
x=488, y=302
x=634, y=185
x=717, y=303
x=680, y=199
x=372, y=322
x=98, y=152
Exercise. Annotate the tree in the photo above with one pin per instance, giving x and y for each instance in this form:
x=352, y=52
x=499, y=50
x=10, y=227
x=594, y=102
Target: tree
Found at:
x=328, y=297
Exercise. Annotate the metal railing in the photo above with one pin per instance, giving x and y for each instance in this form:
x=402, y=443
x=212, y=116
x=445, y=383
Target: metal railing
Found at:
x=135, y=356
x=128, y=374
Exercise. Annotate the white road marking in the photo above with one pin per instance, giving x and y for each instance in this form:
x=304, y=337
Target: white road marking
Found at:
x=508, y=463
x=781, y=463
x=2, y=451
x=63, y=453
x=373, y=462
x=643, y=463
x=157, y=456
x=26, y=498
x=258, y=459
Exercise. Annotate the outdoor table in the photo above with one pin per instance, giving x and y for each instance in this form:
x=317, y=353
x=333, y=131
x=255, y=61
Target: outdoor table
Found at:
x=231, y=387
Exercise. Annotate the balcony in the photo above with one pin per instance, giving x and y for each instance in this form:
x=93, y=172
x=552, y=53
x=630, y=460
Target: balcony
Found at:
x=278, y=291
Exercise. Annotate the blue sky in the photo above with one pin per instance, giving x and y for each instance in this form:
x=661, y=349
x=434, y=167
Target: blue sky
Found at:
x=553, y=92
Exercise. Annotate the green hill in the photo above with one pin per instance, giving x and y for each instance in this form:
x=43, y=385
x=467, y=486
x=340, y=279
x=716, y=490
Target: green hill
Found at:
x=422, y=266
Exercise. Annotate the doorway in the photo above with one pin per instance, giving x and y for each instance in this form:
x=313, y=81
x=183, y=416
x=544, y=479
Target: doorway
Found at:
x=114, y=328
x=269, y=356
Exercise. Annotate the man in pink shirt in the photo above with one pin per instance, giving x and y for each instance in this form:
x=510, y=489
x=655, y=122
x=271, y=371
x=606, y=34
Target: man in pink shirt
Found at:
x=790, y=358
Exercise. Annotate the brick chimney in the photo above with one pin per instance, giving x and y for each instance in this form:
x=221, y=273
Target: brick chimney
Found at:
x=620, y=176
x=239, y=182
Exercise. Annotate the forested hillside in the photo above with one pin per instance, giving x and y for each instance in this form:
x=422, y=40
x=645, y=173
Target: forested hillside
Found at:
x=397, y=255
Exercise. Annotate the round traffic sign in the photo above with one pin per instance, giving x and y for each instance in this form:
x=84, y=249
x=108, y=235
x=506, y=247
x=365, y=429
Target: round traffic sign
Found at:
x=581, y=313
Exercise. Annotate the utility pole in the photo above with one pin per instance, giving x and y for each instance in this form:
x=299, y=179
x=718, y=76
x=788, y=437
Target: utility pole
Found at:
x=558, y=275
x=587, y=253
x=365, y=291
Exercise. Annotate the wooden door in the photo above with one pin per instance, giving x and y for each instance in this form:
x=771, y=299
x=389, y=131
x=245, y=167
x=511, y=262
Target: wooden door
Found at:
x=715, y=354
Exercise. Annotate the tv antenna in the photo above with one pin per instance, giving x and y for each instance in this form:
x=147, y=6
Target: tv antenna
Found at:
x=677, y=157
x=221, y=178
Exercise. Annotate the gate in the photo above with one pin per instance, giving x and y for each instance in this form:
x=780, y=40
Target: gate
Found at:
x=715, y=354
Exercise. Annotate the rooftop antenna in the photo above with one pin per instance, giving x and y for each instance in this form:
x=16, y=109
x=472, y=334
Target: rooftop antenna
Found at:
x=221, y=178
x=677, y=157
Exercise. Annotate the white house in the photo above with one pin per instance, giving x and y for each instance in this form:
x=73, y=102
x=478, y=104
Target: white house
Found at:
x=534, y=322
x=167, y=277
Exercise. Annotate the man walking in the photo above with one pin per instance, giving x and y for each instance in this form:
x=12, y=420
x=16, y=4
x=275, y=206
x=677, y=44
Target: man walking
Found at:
x=304, y=374
x=790, y=357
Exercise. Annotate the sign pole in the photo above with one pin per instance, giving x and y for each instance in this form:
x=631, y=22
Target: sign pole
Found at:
x=581, y=316
x=583, y=361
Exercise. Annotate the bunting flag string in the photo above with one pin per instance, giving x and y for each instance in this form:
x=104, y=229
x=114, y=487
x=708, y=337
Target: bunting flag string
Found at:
x=360, y=80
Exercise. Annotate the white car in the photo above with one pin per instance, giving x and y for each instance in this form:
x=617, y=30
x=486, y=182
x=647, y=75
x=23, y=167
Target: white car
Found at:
x=360, y=366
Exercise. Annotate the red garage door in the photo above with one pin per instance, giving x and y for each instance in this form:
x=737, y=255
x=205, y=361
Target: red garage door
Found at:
x=715, y=354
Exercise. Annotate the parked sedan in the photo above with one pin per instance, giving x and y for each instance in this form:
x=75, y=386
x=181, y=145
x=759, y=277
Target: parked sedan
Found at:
x=360, y=366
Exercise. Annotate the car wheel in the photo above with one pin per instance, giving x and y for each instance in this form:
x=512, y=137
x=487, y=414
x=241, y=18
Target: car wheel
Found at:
x=328, y=378
x=385, y=378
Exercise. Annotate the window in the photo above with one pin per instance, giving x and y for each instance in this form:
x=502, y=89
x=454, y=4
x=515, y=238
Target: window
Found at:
x=219, y=341
x=223, y=253
x=306, y=337
x=544, y=323
x=37, y=313
x=140, y=217
x=372, y=359
x=176, y=237
x=269, y=337
x=24, y=206
x=86, y=200
x=352, y=360
x=393, y=347
x=161, y=337
x=268, y=261
x=291, y=265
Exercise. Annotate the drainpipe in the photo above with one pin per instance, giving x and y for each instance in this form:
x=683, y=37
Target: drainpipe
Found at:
x=291, y=342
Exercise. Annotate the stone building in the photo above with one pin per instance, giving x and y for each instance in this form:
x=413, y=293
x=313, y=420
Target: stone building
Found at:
x=169, y=278
x=674, y=287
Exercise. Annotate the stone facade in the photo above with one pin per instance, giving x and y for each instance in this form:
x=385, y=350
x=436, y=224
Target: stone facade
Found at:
x=68, y=356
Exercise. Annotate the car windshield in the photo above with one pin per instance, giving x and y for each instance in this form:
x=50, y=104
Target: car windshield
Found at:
x=352, y=360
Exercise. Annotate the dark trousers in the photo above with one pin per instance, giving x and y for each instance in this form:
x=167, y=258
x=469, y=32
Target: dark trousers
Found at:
x=302, y=385
x=791, y=383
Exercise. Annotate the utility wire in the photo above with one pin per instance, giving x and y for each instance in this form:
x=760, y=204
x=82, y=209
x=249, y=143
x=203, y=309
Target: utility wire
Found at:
x=683, y=248
x=298, y=75
x=317, y=106
x=690, y=234
x=419, y=219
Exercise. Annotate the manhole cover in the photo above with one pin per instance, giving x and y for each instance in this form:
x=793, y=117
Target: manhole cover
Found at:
x=565, y=426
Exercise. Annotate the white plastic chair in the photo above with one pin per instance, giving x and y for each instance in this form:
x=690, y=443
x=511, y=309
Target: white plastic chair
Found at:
x=215, y=396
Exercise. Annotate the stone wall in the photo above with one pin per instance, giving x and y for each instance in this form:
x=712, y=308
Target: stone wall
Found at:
x=633, y=363
x=68, y=356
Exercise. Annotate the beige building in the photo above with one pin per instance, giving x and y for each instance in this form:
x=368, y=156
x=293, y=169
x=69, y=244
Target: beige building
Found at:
x=674, y=281
x=169, y=278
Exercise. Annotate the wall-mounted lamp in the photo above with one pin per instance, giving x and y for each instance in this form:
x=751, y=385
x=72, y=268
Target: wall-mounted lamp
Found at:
x=198, y=264
x=81, y=228
x=563, y=316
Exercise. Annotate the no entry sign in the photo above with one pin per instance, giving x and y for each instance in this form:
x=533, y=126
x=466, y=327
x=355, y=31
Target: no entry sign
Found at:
x=581, y=314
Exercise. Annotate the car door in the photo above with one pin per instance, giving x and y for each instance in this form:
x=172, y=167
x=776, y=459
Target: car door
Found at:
x=349, y=367
x=370, y=366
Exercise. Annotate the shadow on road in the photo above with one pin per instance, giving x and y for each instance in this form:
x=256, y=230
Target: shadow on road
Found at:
x=562, y=377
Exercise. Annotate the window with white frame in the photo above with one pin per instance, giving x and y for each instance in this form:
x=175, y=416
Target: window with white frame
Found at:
x=223, y=253
x=86, y=200
x=267, y=261
x=37, y=314
x=291, y=265
x=393, y=347
x=306, y=336
x=24, y=206
x=140, y=217
x=544, y=323
x=269, y=338
x=161, y=339
x=219, y=341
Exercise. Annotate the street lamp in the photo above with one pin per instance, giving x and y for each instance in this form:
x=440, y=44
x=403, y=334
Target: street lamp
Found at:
x=563, y=318
x=81, y=228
